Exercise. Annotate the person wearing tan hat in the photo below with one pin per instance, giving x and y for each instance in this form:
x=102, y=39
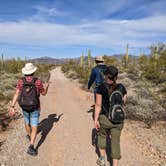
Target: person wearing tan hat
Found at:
x=99, y=59
x=27, y=94
x=96, y=74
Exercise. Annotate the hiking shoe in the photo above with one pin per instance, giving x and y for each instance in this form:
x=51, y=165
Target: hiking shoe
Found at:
x=28, y=137
x=101, y=161
x=31, y=151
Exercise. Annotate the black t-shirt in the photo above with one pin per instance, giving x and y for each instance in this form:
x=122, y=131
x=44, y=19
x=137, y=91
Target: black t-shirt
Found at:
x=102, y=90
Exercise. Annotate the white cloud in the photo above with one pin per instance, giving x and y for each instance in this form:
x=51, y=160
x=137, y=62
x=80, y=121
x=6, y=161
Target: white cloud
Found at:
x=103, y=33
x=48, y=11
x=43, y=13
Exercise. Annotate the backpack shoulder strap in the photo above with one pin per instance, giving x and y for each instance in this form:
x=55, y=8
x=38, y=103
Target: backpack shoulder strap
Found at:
x=24, y=80
x=101, y=70
x=34, y=79
x=107, y=90
x=105, y=110
x=33, y=83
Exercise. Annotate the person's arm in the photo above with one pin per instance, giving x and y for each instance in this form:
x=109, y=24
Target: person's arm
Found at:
x=13, y=103
x=125, y=99
x=92, y=78
x=45, y=89
x=124, y=92
x=97, y=110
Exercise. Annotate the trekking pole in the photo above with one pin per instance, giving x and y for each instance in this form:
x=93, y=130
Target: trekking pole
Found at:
x=48, y=77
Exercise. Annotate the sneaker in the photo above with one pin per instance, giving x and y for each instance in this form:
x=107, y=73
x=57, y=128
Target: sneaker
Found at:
x=100, y=161
x=31, y=151
x=28, y=137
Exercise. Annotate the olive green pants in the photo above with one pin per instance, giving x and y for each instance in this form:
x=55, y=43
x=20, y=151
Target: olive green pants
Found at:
x=115, y=131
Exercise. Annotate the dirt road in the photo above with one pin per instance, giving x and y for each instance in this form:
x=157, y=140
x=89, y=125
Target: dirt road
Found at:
x=65, y=135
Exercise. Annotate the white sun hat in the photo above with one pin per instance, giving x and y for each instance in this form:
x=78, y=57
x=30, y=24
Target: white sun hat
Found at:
x=28, y=69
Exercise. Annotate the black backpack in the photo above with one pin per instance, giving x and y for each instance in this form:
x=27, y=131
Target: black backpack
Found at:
x=102, y=69
x=116, y=111
x=29, y=99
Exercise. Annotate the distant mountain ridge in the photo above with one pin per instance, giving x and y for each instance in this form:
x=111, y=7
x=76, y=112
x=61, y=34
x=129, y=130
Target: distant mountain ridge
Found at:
x=59, y=61
x=49, y=60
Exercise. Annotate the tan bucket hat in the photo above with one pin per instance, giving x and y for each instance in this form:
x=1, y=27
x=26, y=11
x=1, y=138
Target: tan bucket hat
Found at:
x=28, y=69
x=99, y=58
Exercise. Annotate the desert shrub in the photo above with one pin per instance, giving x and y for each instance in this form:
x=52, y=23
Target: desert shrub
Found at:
x=82, y=70
x=146, y=110
x=110, y=60
x=13, y=66
x=43, y=71
x=143, y=61
x=68, y=66
x=151, y=71
x=1, y=96
x=74, y=70
x=155, y=69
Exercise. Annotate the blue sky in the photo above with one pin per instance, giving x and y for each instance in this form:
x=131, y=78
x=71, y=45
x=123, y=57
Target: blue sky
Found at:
x=66, y=28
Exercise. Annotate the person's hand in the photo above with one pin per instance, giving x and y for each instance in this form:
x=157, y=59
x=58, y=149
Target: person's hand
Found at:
x=97, y=125
x=11, y=111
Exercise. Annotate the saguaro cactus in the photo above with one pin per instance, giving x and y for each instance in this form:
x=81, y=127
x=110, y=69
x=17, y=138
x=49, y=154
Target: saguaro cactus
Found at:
x=156, y=53
x=82, y=60
x=89, y=58
x=127, y=55
x=2, y=59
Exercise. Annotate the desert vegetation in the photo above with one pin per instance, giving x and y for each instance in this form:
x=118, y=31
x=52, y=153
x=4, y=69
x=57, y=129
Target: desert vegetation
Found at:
x=144, y=76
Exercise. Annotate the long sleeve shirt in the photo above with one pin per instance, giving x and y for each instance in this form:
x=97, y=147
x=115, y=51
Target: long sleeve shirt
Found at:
x=96, y=76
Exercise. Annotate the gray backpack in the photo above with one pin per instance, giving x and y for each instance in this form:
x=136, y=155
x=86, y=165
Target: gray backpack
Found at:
x=116, y=111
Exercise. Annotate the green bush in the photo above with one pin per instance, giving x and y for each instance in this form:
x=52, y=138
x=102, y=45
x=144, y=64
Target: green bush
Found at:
x=12, y=66
x=154, y=69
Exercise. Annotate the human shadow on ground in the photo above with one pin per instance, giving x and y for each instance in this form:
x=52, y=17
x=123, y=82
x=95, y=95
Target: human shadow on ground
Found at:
x=45, y=127
x=94, y=140
x=92, y=110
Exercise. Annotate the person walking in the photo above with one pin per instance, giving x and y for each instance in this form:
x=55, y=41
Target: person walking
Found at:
x=27, y=94
x=97, y=74
x=102, y=121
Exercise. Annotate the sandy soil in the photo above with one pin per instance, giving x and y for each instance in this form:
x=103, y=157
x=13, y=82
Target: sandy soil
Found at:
x=65, y=135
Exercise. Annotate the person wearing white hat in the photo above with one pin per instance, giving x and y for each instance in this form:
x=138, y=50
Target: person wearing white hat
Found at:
x=27, y=94
x=29, y=69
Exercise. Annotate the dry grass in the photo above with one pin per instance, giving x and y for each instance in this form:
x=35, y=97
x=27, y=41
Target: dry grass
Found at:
x=7, y=86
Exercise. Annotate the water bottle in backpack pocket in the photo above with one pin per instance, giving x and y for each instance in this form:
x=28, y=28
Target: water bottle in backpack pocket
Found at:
x=29, y=99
